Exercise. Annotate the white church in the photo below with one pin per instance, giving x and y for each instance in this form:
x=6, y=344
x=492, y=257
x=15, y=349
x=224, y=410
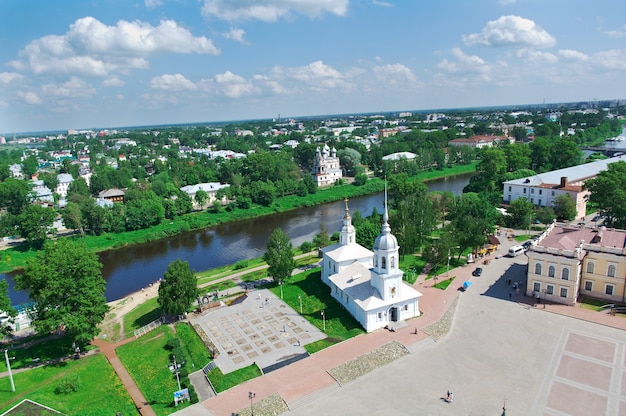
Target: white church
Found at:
x=326, y=167
x=369, y=284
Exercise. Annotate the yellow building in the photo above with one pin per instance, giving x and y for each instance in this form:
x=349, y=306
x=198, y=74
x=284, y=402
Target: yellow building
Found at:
x=570, y=260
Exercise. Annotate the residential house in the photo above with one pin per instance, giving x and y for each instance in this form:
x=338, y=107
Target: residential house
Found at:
x=113, y=195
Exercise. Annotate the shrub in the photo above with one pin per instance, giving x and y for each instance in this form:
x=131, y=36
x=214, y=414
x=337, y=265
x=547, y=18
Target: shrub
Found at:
x=306, y=247
x=241, y=264
x=68, y=385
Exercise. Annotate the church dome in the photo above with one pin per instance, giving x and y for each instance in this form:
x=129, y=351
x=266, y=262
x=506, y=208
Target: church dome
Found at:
x=386, y=242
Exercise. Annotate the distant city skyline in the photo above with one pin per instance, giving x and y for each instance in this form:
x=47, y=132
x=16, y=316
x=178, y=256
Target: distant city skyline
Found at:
x=78, y=65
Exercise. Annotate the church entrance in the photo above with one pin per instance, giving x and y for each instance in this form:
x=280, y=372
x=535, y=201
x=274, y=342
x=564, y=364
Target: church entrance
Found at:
x=394, y=314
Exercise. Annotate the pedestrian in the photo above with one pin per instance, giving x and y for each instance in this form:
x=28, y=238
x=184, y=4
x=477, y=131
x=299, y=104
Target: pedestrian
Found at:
x=448, y=396
x=508, y=281
x=451, y=397
x=510, y=295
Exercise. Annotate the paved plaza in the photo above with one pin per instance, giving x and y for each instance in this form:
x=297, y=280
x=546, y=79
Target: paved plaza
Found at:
x=261, y=329
x=502, y=350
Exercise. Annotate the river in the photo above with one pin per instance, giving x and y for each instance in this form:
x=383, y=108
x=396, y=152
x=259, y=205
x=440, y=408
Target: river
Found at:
x=129, y=269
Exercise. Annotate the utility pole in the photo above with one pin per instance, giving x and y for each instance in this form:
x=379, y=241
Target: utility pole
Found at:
x=324, y=320
x=176, y=371
x=6, y=357
x=300, y=298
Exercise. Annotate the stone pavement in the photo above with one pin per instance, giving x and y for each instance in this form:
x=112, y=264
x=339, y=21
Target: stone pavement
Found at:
x=498, y=352
x=261, y=329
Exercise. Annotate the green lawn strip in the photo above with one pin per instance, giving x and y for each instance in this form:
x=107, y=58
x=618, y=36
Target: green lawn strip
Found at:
x=142, y=315
x=222, y=382
x=198, y=353
x=443, y=285
x=100, y=392
x=412, y=266
x=147, y=361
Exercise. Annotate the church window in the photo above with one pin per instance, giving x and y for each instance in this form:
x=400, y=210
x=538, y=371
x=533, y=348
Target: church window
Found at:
x=350, y=239
x=380, y=315
x=392, y=262
x=406, y=307
x=375, y=261
x=384, y=263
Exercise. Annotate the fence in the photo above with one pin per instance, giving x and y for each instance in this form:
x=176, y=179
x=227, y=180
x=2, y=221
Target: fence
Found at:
x=149, y=327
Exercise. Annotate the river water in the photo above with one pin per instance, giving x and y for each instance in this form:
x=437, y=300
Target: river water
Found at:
x=129, y=269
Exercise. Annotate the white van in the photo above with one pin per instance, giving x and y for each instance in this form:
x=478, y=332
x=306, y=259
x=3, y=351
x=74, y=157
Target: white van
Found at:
x=516, y=251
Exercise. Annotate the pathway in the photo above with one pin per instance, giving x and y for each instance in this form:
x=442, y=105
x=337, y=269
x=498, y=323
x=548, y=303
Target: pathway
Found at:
x=108, y=350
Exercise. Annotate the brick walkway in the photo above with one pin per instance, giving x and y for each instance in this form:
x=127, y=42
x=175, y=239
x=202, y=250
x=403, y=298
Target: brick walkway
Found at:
x=138, y=398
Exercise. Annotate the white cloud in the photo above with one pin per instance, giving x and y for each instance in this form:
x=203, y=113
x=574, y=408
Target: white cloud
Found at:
x=395, y=74
x=572, y=55
x=618, y=33
x=73, y=88
x=113, y=82
x=232, y=85
x=382, y=3
x=10, y=77
x=528, y=54
x=150, y=4
x=237, y=35
x=91, y=48
x=511, y=31
x=29, y=97
x=611, y=59
x=271, y=10
x=92, y=36
x=176, y=82
x=506, y=2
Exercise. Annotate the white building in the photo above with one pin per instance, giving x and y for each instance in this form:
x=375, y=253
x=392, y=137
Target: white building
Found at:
x=543, y=189
x=210, y=188
x=369, y=284
x=326, y=168
x=64, y=180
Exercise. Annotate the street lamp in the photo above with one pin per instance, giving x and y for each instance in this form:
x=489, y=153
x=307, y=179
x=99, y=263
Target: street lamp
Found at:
x=6, y=357
x=448, y=268
x=300, y=298
x=251, y=396
x=176, y=371
x=280, y=283
x=323, y=320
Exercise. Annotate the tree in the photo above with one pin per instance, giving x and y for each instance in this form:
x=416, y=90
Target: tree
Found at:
x=35, y=223
x=178, y=289
x=472, y=219
x=608, y=192
x=279, y=256
x=565, y=207
x=15, y=195
x=201, y=198
x=520, y=212
x=65, y=282
x=349, y=159
x=6, y=307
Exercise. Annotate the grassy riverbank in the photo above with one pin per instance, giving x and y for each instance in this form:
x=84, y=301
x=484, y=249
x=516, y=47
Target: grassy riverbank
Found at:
x=15, y=257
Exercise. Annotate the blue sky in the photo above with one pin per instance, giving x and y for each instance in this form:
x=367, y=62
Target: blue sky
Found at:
x=86, y=64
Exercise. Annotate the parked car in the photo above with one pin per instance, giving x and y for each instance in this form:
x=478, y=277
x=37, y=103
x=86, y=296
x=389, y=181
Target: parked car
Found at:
x=526, y=245
x=478, y=271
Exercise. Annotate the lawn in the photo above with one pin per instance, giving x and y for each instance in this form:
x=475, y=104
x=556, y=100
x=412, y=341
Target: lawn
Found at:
x=141, y=315
x=307, y=289
x=147, y=360
x=100, y=392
